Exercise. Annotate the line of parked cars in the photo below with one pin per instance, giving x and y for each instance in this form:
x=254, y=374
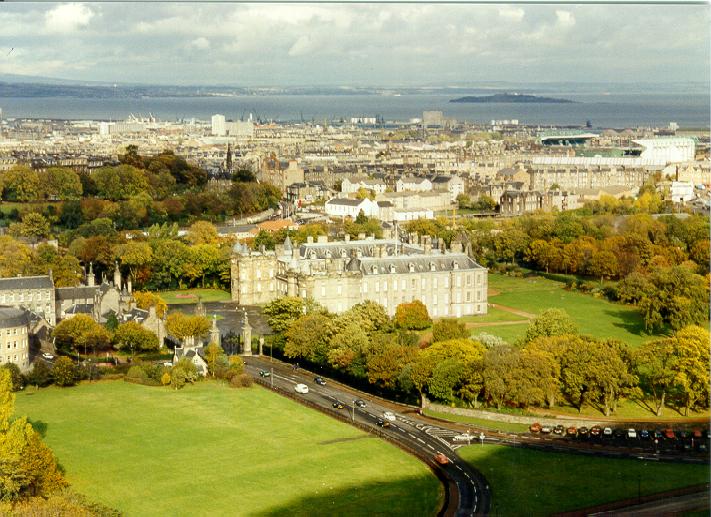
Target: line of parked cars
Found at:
x=696, y=439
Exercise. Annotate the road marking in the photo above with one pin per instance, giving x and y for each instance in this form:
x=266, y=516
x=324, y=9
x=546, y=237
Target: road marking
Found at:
x=420, y=440
x=412, y=436
x=428, y=445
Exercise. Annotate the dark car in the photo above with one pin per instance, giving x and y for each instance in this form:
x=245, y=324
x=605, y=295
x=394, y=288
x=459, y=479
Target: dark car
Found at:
x=264, y=373
x=583, y=432
x=320, y=381
x=658, y=435
x=382, y=423
x=559, y=429
x=360, y=403
x=595, y=431
x=337, y=405
x=645, y=434
x=619, y=434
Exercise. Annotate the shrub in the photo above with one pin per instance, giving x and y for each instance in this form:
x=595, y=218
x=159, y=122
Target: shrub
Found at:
x=15, y=376
x=245, y=380
x=450, y=328
x=165, y=380
x=412, y=316
x=64, y=372
x=136, y=372
x=40, y=375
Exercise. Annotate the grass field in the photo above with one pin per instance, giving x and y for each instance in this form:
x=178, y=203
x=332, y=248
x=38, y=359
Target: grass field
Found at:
x=494, y=315
x=531, y=483
x=594, y=316
x=213, y=450
x=188, y=296
x=479, y=422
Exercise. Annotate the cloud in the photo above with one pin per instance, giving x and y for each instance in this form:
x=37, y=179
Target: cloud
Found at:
x=511, y=14
x=301, y=46
x=67, y=18
x=564, y=19
x=200, y=43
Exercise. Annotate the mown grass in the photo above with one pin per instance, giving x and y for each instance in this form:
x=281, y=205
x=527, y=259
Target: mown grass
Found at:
x=212, y=450
x=189, y=296
x=493, y=315
x=528, y=482
x=479, y=422
x=594, y=316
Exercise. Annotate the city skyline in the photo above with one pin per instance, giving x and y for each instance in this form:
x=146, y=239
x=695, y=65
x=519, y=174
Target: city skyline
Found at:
x=356, y=44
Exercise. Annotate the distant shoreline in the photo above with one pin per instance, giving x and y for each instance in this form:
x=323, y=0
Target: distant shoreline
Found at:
x=514, y=98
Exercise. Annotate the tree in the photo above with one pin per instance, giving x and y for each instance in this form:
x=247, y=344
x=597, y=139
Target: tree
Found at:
x=40, y=375
x=655, y=365
x=34, y=226
x=603, y=264
x=20, y=183
x=182, y=326
x=64, y=373
x=349, y=345
x=412, y=316
x=185, y=372
x=213, y=355
x=134, y=255
x=14, y=256
x=373, y=316
x=282, y=312
x=308, y=337
x=449, y=328
x=68, y=332
x=121, y=182
x=551, y=322
x=202, y=232
x=15, y=375
x=500, y=364
x=387, y=363
x=71, y=216
x=136, y=338
x=692, y=367
x=96, y=338
x=61, y=183
x=146, y=299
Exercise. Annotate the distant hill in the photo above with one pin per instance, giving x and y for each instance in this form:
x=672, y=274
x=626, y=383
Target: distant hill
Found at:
x=512, y=98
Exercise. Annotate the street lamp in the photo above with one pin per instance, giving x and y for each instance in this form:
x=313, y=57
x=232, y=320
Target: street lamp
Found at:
x=353, y=411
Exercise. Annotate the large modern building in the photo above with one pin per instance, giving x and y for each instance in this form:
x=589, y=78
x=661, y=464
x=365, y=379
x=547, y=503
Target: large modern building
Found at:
x=14, y=337
x=344, y=273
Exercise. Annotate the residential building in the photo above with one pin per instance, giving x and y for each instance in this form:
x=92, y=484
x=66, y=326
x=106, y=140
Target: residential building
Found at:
x=14, y=337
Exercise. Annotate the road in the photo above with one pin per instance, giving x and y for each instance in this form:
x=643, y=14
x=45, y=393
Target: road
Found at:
x=467, y=491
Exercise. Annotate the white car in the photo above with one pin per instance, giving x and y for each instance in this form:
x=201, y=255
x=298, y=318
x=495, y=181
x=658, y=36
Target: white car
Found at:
x=301, y=388
x=389, y=415
x=47, y=355
x=631, y=433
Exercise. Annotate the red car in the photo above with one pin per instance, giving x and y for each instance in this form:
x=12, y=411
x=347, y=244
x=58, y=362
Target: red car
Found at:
x=535, y=428
x=441, y=458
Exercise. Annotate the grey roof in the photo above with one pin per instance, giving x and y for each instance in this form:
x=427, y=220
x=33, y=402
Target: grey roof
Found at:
x=26, y=282
x=385, y=203
x=12, y=317
x=344, y=201
x=319, y=250
x=80, y=308
x=441, y=179
x=81, y=292
x=401, y=264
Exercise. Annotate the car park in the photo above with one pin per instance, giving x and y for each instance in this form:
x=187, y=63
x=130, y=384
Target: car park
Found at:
x=301, y=388
x=535, y=428
x=337, y=405
x=389, y=415
x=360, y=403
x=559, y=430
x=264, y=373
x=441, y=458
x=320, y=381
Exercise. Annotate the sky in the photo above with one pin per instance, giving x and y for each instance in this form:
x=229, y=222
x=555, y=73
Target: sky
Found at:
x=354, y=44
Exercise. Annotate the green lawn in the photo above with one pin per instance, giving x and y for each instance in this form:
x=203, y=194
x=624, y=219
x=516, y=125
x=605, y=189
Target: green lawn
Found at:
x=212, y=450
x=493, y=315
x=530, y=483
x=594, y=316
x=479, y=422
x=187, y=296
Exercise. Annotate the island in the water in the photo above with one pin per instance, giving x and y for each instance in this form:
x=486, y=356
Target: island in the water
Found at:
x=513, y=97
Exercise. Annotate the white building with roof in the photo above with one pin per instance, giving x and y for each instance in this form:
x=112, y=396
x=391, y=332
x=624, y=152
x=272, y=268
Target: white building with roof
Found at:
x=14, y=337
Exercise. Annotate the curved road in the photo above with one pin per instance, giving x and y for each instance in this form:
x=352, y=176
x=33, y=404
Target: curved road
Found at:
x=467, y=490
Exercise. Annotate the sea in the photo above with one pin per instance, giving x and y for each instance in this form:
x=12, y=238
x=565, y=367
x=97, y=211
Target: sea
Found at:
x=602, y=110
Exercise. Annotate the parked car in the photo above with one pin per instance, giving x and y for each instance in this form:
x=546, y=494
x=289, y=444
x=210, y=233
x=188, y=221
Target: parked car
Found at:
x=301, y=388
x=644, y=434
x=571, y=431
x=535, y=427
x=320, y=381
x=264, y=373
x=382, y=423
x=669, y=434
x=546, y=429
x=658, y=435
x=631, y=434
x=47, y=355
x=596, y=431
x=559, y=429
x=389, y=415
x=696, y=433
x=583, y=432
x=441, y=458
x=360, y=403
x=337, y=405
x=607, y=432
x=619, y=433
